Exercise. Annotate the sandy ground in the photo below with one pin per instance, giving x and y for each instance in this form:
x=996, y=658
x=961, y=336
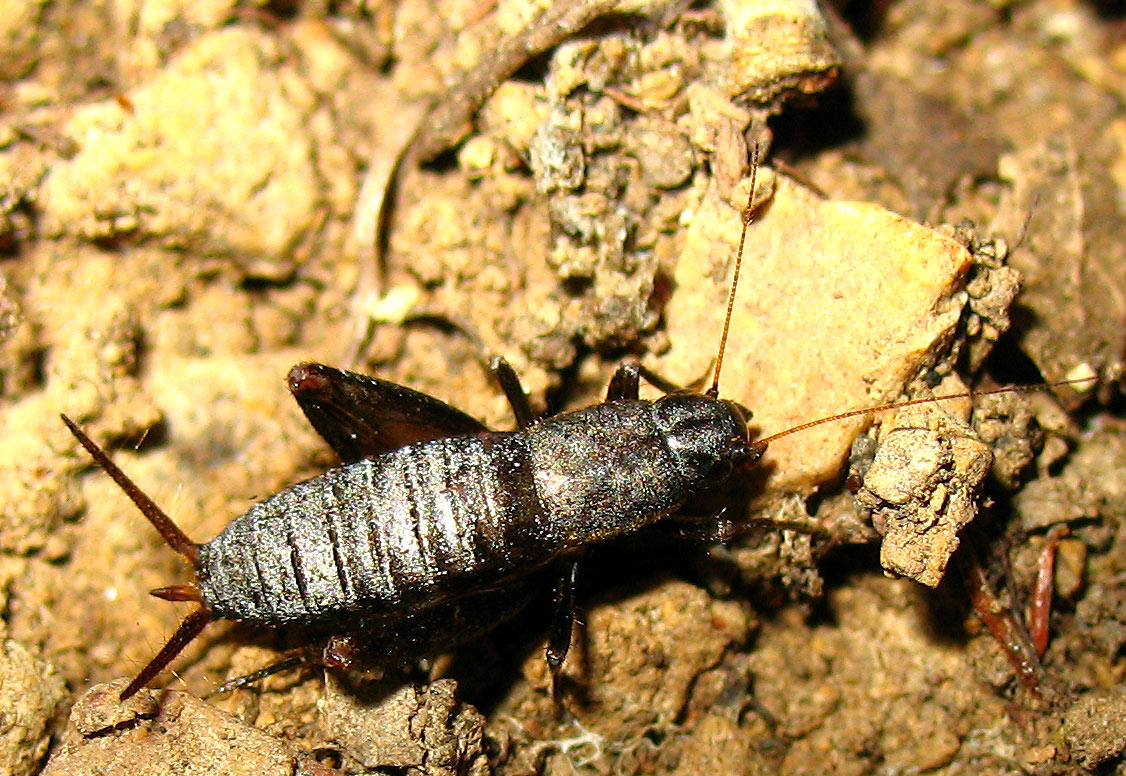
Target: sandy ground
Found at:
x=196, y=196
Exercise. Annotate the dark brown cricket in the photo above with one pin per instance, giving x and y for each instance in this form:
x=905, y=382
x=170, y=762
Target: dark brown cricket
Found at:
x=431, y=512
x=433, y=525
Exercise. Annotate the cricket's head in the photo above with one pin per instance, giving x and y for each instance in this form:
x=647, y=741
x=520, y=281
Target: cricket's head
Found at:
x=708, y=438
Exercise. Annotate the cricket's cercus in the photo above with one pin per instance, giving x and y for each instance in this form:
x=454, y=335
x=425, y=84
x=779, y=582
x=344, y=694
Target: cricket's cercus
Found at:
x=433, y=518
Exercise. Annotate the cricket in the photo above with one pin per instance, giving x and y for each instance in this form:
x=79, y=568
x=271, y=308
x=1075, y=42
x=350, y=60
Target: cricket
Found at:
x=434, y=526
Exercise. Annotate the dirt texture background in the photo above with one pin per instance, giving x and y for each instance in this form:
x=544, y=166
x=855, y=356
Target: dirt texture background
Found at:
x=194, y=196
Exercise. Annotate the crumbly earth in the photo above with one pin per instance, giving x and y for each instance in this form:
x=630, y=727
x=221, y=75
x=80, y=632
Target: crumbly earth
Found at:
x=194, y=196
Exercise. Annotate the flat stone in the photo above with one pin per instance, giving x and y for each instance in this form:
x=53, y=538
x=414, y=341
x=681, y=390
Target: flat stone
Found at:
x=839, y=305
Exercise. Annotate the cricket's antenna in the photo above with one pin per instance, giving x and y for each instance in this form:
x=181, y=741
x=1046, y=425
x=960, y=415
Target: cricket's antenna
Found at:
x=762, y=444
x=748, y=216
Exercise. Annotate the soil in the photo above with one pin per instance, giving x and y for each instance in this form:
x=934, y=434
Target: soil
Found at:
x=196, y=196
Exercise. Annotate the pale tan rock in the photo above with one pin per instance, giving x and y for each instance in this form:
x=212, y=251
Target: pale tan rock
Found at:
x=514, y=113
x=424, y=730
x=213, y=154
x=19, y=37
x=30, y=694
x=153, y=734
x=839, y=304
x=922, y=489
x=777, y=46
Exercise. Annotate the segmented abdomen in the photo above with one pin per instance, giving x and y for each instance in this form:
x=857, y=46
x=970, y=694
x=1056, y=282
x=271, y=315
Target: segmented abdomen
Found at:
x=411, y=528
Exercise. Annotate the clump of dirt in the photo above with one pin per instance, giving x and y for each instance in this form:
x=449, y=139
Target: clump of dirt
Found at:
x=194, y=197
x=176, y=731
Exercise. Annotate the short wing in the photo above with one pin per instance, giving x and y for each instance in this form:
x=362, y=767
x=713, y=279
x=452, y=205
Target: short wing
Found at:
x=361, y=416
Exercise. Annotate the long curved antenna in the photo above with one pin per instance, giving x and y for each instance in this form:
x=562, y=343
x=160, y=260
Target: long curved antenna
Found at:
x=171, y=532
x=748, y=216
x=761, y=444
